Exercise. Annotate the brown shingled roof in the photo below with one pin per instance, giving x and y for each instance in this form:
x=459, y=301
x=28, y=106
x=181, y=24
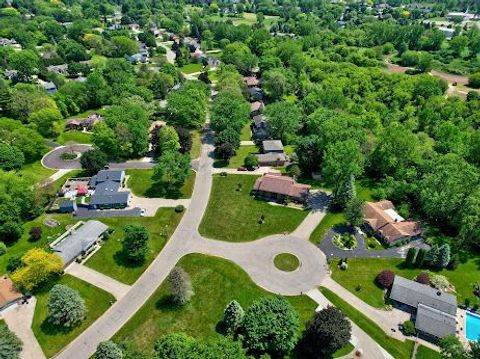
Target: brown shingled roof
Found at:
x=8, y=292
x=283, y=185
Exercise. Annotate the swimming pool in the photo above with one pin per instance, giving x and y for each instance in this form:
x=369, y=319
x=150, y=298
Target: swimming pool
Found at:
x=472, y=327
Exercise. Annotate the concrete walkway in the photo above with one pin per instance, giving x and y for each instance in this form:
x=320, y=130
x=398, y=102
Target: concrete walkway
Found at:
x=19, y=319
x=247, y=143
x=108, y=284
x=360, y=339
x=57, y=175
x=169, y=54
x=151, y=205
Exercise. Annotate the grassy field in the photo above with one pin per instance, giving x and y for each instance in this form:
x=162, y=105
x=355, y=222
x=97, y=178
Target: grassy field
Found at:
x=110, y=260
x=364, y=271
x=143, y=185
x=74, y=136
x=239, y=158
x=191, y=68
x=246, y=134
x=35, y=171
x=233, y=215
x=398, y=349
x=286, y=262
x=196, y=150
x=52, y=338
x=249, y=18
x=215, y=282
x=427, y=353
x=330, y=220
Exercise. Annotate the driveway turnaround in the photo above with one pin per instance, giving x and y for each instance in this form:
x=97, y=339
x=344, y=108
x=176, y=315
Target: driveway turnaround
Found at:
x=54, y=161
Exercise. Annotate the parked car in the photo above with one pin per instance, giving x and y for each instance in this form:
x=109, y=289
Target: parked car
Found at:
x=242, y=169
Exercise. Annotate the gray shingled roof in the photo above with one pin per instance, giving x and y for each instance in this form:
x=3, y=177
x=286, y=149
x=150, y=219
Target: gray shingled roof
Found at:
x=110, y=199
x=272, y=145
x=79, y=240
x=435, y=322
x=113, y=175
x=107, y=187
x=412, y=293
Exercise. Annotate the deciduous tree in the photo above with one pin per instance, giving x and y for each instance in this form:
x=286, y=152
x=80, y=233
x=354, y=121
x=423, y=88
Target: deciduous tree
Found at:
x=135, y=243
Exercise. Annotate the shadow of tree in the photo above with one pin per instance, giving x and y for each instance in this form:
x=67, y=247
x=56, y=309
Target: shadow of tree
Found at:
x=122, y=259
x=166, y=303
x=161, y=189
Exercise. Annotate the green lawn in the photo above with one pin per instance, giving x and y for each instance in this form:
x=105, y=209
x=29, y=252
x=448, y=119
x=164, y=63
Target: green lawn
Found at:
x=286, y=262
x=191, y=68
x=215, y=282
x=239, y=158
x=347, y=349
x=398, y=349
x=289, y=149
x=74, y=136
x=364, y=271
x=52, y=338
x=35, y=171
x=249, y=18
x=233, y=215
x=142, y=185
x=196, y=150
x=330, y=220
x=246, y=134
x=427, y=353
x=18, y=248
x=110, y=260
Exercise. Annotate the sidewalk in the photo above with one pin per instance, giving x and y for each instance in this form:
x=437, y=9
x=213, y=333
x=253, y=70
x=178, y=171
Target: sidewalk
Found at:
x=19, y=320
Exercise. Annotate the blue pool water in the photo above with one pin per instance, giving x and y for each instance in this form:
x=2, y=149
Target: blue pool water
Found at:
x=473, y=327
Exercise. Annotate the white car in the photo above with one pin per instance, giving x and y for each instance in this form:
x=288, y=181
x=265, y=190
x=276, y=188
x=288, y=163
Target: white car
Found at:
x=142, y=212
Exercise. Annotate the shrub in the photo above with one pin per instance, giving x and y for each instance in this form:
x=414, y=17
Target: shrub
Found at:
x=233, y=317
x=180, y=286
x=68, y=156
x=251, y=161
x=409, y=260
x=10, y=344
x=440, y=282
x=420, y=258
x=66, y=307
x=385, y=279
x=423, y=278
x=474, y=80
x=409, y=328
x=180, y=208
x=35, y=233
x=108, y=350
x=454, y=262
x=3, y=248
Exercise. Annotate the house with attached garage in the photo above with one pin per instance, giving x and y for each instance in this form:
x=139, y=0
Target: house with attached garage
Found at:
x=108, y=190
x=274, y=186
x=433, y=311
x=273, y=154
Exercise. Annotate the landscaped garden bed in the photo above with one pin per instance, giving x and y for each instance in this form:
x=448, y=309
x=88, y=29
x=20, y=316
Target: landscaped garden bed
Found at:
x=286, y=262
x=345, y=241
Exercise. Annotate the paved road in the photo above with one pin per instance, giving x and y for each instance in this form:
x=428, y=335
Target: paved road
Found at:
x=170, y=54
x=256, y=258
x=332, y=251
x=54, y=161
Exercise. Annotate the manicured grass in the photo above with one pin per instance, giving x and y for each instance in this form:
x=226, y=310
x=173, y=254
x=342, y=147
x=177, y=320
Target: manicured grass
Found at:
x=110, y=259
x=330, y=220
x=52, y=338
x=364, y=271
x=239, y=158
x=74, y=136
x=18, y=248
x=373, y=244
x=398, y=349
x=246, y=134
x=286, y=262
x=249, y=18
x=143, y=185
x=215, y=282
x=196, y=150
x=347, y=349
x=234, y=215
x=427, y=353
x=35, y=172
x=191, y=68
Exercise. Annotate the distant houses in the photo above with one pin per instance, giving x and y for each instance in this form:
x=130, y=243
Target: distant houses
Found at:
x=274, y=186
x=256, y=108
x=382, y=219
x=83, y=123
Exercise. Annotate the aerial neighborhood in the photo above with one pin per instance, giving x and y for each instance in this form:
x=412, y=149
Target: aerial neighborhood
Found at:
x=240, y=179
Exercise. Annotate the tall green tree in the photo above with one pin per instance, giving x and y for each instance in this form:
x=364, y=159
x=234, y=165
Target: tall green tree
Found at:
x=66, y=308
x=284, y=120
x=135, y=243
x=172, y=167
x=10, y=344
x=233, y=316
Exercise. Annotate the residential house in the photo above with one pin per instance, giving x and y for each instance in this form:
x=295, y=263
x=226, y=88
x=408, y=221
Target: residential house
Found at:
x=10, y=42
x=58, y=69
x=138, y=58
x=67, y=206
x=134, y=27
x=251, y=81
x=256, y=108
x=255, y=93
x=78, y=240
x=277, y=187
x=273, y=154
x=192, y=44
x=48, y=86
x=260, y=127
x=433, y=311
x=449, y=33
x=9, y=294
x=213, y=62
x=107, y=185
x=381, y=218
x=83, y=123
